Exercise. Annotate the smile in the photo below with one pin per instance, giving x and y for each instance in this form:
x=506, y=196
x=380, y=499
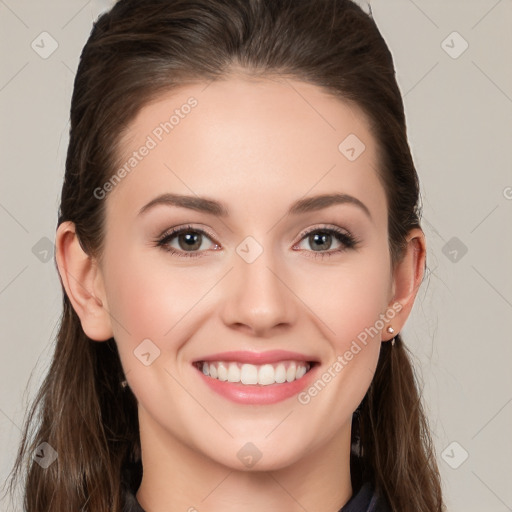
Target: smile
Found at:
x=251, y=374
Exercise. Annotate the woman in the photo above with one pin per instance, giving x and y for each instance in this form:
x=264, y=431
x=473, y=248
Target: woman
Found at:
x=239, y=246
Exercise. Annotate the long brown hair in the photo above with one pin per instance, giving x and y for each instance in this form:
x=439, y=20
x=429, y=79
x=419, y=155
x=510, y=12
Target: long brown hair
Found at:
x=137, y=50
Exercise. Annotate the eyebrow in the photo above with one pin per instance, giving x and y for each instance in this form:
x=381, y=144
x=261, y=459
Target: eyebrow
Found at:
x=211, y=206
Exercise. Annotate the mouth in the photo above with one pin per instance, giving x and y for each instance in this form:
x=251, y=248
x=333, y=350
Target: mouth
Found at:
x=257, y=378
x=255, y=374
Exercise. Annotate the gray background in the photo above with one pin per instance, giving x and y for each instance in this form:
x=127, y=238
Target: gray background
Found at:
x=459, y=111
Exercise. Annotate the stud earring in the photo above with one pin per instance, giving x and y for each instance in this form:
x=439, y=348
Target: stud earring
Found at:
x=391, y=331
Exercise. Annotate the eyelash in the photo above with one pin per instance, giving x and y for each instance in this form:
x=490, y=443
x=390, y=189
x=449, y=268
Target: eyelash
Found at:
x=348, y=241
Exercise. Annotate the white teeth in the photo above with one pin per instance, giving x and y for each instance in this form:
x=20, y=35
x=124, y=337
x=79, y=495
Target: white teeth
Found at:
x=266, y=375
x=222, y=371
x=233, y=373
x=291, y=372
x=250, y=374
x=280, y=374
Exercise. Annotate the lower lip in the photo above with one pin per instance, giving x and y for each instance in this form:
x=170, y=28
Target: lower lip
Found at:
x=257, y=394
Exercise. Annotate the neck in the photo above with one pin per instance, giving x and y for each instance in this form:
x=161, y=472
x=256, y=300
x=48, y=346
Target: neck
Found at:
x=177, y=477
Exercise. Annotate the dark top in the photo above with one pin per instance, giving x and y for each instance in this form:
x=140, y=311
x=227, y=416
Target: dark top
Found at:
x=365, y=499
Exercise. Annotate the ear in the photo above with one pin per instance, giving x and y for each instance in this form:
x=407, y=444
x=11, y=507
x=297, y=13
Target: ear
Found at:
x=83, y=282
x=407, y=278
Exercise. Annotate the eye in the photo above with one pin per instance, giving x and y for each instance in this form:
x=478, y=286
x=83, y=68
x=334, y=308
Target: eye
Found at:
x=190, y=240
x=321, y=239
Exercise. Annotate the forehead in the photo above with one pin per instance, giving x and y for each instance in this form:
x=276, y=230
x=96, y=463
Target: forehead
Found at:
x=270, y=139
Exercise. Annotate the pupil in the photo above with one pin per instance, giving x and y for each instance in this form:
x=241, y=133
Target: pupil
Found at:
x=323, y=238
x=191, y=241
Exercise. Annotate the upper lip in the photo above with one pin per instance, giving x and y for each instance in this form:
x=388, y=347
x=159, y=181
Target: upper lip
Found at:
x=242, y=356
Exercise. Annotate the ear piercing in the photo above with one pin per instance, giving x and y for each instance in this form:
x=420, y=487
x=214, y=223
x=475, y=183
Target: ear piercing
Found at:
x=391, y=331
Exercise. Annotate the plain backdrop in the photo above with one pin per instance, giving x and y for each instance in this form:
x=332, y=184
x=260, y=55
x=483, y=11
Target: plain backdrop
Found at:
x=453, y=62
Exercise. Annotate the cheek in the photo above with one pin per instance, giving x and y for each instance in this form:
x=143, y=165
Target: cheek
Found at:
x=349, y=298
x=146, y=301
x=350, y=308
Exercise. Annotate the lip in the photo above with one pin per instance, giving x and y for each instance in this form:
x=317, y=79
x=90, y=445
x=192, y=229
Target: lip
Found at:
x=256, y=394
x=269, y=357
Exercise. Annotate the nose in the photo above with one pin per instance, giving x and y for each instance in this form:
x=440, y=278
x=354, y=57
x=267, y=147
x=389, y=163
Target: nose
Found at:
x=258, y=300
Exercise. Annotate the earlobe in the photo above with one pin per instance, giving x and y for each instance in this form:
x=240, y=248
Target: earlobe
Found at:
x=83, y=282
x=407, y=278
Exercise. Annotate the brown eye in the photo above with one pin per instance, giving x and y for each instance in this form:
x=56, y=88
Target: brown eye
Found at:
x=320, y=240
x=189, y=240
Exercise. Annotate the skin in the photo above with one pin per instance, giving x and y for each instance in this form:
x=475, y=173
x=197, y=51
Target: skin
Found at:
x=256, y=146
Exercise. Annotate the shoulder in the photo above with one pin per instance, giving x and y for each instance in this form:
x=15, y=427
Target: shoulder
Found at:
x=130, y=503
x=366, y=499
x=130, y=481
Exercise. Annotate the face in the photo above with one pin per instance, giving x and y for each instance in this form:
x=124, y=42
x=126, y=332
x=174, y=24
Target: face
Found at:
x=247, y=277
